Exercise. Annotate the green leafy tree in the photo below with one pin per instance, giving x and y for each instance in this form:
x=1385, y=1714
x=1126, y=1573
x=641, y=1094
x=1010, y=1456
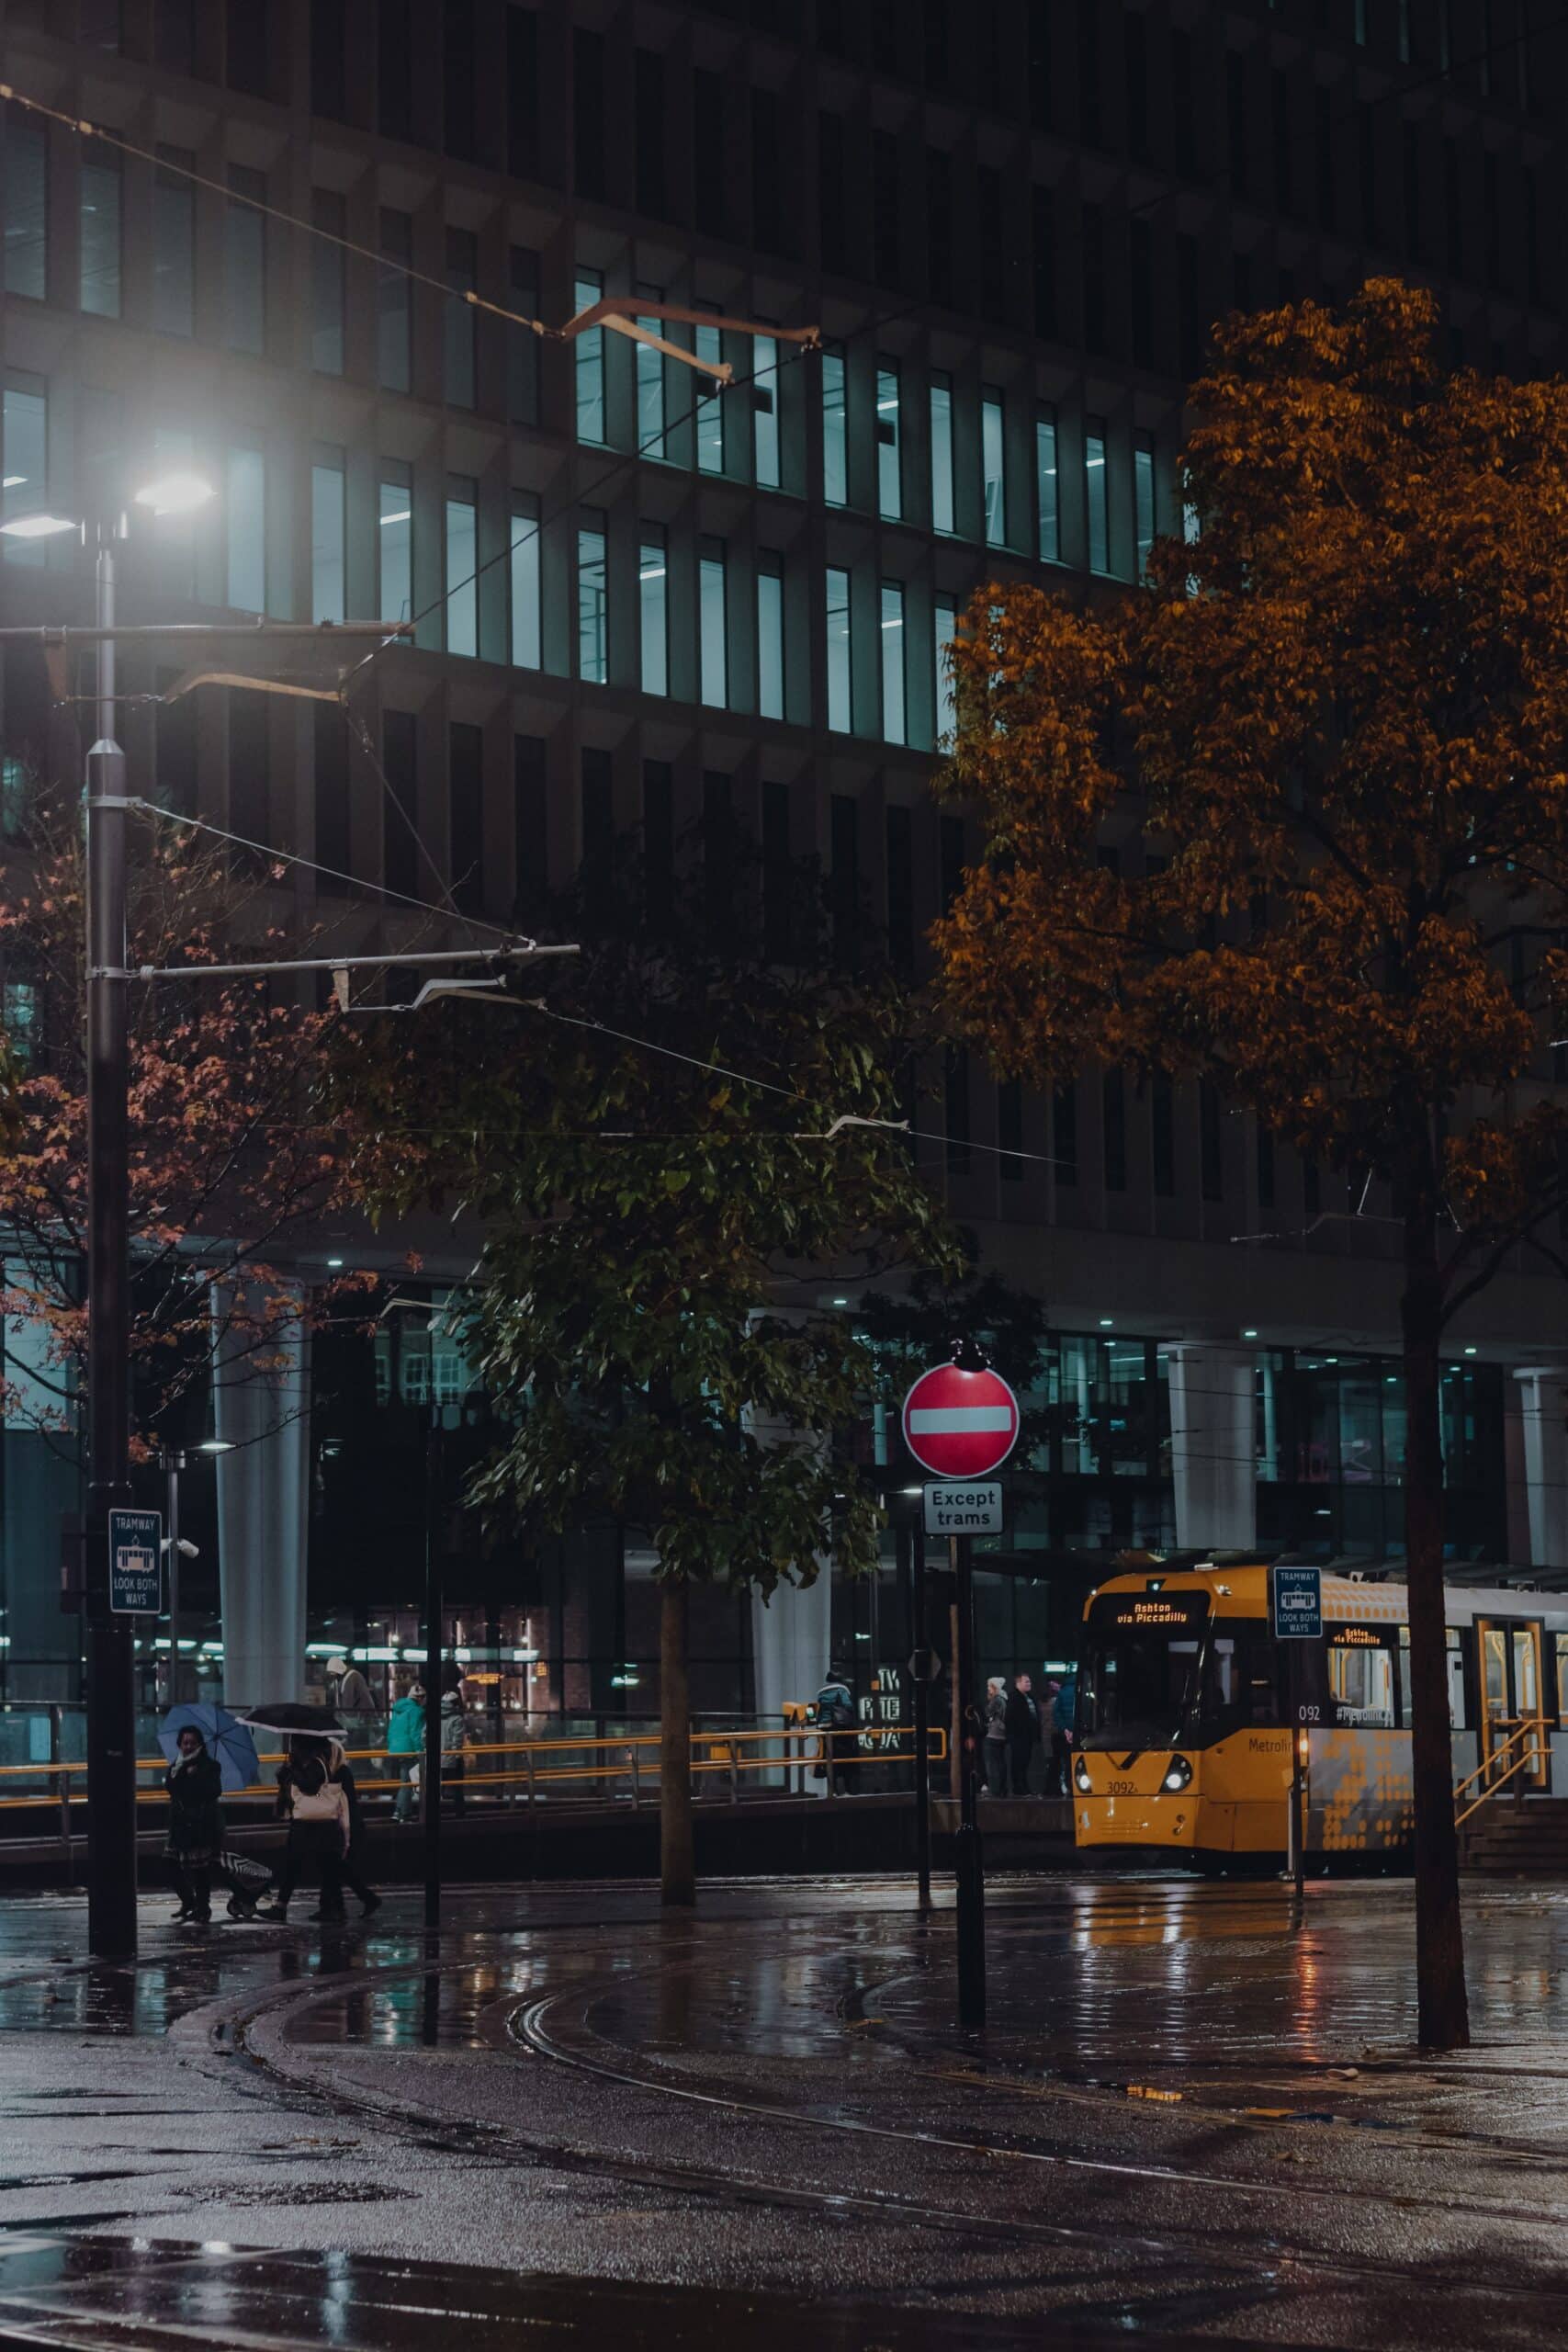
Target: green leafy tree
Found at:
x=660, y=1218
x=1341, y=721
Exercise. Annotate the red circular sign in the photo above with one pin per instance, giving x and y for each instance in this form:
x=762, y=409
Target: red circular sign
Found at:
x=960, y=1424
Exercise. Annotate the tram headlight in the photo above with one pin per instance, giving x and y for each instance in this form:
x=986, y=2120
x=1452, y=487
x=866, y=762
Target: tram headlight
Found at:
x=1081, y=1780
x=1177, y=1775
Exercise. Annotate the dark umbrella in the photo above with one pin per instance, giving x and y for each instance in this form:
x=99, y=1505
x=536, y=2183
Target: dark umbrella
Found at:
x=290, y=1718
x=226, y=1737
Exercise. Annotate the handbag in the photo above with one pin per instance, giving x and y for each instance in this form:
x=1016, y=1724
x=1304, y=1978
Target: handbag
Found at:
x=325, y=1803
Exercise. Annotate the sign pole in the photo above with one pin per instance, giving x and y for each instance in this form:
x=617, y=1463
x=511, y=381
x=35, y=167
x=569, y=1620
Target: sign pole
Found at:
x=433, y=1629
x=912, y=1573
x=969, y=1870
x=1295, y=1615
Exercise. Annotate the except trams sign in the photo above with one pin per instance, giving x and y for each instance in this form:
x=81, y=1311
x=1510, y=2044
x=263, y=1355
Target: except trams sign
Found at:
x=962, y=1507
x=960, y=1424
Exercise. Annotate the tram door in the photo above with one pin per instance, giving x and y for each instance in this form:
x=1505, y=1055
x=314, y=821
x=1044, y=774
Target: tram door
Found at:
x=1508, y=1657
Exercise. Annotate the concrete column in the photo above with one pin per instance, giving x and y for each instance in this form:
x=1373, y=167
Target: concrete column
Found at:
x=1543, y=1401
x=1213, y=1446
x=261, y=1405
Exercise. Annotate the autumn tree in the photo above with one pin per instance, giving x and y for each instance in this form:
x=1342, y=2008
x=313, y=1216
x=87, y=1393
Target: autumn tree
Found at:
x=1341, y=718
x=228, y=1170
x=669, y=1154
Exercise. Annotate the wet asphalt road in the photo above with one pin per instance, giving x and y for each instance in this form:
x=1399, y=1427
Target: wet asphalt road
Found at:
x=1194, y=2115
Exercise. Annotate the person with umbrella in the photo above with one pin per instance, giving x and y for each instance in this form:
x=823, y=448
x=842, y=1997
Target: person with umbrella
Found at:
x=208, y=1736
x=195, y=1783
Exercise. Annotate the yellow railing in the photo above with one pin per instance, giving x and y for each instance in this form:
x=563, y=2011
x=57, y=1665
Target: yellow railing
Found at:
x=509, y=1770
x=1503, y=1765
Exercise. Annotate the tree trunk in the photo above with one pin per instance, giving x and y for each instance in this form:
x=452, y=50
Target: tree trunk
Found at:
x=678, y=1883
x=1442, y=2006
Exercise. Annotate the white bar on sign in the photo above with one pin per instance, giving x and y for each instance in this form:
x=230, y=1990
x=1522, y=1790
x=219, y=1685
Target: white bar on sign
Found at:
x=956, y=1420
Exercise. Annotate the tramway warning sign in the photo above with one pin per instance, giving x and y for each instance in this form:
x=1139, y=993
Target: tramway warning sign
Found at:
x=1295, y=1604
x=965, y=1507
x=136, y=1563
x=960, y=1424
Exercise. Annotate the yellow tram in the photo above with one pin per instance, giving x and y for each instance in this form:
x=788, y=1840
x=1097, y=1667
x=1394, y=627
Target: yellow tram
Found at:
x=1187, y=1707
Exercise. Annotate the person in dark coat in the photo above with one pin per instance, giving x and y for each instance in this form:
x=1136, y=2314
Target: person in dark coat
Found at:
x=318, y=1831
x=340, y=1770
x=1023, y=1721
x=196, y=1824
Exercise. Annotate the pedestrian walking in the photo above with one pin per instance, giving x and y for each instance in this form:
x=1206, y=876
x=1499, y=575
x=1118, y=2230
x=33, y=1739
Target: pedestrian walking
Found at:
x=836, y=1715
x=995, y=1735
x=195, y=1783
x=316, y=1810
x=1022, y=1726
x=454, y=1740
x=405, y=1742
x=341, y=1771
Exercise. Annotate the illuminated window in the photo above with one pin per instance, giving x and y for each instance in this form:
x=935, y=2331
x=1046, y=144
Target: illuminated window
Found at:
x=524, y=564
x=889, y=470
x=653, y=604
x=1047, y=505
x=1097, y=495
x=589, y=288
x=994, y=462
x=711, y=603
x=943, y=510
x=839, y=703
x=462, y=563
x=893, y=722
x=593, y=634
x=326, y=542
x=835, y=454
x=395, y=541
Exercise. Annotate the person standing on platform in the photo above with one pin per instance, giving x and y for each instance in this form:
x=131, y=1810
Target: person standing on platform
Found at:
x=997, y=1736
x=1055, y=1725
x=195, y=1783
x=405, y=1746
x=1022, y=1725
x=454, y=1740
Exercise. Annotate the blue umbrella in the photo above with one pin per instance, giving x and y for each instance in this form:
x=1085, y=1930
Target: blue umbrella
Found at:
x=227, y=1738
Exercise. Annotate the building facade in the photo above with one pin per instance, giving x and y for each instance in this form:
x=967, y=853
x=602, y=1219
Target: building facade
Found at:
x=642, y=605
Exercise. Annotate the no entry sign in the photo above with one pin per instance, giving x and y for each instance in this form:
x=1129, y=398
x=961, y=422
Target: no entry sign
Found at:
x=960, y=1424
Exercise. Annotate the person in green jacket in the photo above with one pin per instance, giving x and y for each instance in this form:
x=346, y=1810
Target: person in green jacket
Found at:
x=405, y=1740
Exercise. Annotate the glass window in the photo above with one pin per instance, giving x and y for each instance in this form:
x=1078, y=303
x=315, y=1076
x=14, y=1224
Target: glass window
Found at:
x=993, y=460
x=651, y=388
x=393, y=293
x=462, y=319
x=711, y=609
x=527, y=617
x=327, y=211
x=889, y=454
x=770, y=636
x=244, y=261
x=27, y=203
x=1097, y=495
x=245, y=511
x=26, y=456
x=592, y=646
x=395, y=537
x=174, y=248
x=326, y=541
x=944, y=628
x=835, y=454
x=1144, y=498
x=462, y=564
x=942, y=510
x=20, y=1019
x=653, y=605
x=1047, y=503
x=893, y=725
x=1361, y=1678
x=587, y=289
x=710, y=407
x=838, y=671
x=100, y=236
x=1138, y=1680
x=765, y=409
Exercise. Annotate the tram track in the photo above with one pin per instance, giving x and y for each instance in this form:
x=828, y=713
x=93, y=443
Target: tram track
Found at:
x=1281, y=2270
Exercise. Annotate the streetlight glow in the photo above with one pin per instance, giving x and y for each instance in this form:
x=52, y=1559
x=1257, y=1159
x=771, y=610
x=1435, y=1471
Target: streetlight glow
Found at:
x=176, y=493
x=38, y=527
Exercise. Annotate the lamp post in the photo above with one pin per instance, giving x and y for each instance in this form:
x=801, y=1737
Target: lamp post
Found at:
x=109, y=1638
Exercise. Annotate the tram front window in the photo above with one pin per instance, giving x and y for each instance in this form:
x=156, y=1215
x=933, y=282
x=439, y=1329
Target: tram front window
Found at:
x=1140, y=1670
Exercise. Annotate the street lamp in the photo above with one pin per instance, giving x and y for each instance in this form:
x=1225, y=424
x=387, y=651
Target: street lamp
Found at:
x=110, y=1642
